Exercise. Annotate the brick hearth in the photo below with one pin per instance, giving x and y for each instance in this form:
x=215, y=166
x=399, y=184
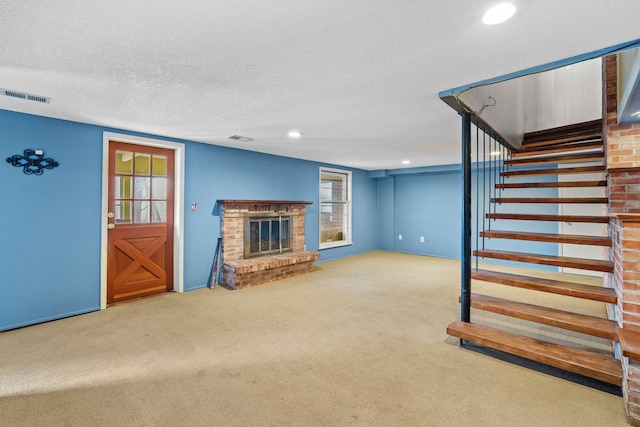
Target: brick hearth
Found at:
x=238, y=272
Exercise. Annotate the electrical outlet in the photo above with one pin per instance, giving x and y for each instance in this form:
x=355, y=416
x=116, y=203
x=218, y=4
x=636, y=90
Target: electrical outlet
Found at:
x=421, y=239
x=399, y=236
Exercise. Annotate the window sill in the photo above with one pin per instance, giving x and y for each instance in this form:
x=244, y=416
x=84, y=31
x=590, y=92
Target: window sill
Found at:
x=330, y=245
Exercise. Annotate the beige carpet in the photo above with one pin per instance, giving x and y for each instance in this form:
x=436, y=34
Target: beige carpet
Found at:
x=359, y=342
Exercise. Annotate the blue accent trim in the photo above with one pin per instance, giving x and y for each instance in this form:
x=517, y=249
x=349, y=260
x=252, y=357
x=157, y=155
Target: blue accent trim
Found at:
x=193, y=288
x=47, y=319
x=455, y=258
x=415, y=171
x=439, y=169
x=545, y=67
x=341, y=256
x=381, y=173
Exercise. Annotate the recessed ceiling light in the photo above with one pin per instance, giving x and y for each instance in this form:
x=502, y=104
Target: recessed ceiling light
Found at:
x=494, y=153
x=406, y=162
x=294, y=134
x=499, y=13
x=636, y=114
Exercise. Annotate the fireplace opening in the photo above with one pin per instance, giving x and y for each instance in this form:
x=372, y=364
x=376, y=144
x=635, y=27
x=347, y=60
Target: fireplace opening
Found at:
x=264, y=235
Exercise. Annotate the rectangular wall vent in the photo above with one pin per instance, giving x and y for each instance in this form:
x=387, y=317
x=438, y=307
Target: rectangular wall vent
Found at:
x=241, y=138
x=25, y=96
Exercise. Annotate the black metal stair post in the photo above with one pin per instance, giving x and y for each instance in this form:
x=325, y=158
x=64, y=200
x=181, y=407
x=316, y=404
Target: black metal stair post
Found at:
x=465, y=292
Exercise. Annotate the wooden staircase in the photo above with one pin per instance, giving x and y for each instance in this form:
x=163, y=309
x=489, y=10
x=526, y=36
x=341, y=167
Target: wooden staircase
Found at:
x=546, y=153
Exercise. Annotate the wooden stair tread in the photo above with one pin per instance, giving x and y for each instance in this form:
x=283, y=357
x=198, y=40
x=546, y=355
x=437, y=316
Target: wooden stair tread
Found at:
x=593, y=126
x=554, y=260
x=554, y=200
x=590, y=145
x=564, y=134
x=547, y=237
x=581, y=323
x=582, y=136
x=575, y=360
x=547, y=217
x=558, y=184
x=554, y=171
x=630, y=343
x=568, y=158
x=559, y=287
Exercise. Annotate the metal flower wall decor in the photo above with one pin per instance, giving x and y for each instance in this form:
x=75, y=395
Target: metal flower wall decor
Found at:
x=32, y=162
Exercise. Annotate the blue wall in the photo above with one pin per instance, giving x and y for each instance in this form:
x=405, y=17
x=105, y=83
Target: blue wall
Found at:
x=386, y=213
x=50, y=224
x=428, y=202
x=429, y=205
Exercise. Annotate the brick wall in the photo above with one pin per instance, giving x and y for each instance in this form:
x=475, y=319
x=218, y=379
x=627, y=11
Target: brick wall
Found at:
x=622, y=148
x=622, y=145
x=624, y=190
x=625, y=253
x=622, y=140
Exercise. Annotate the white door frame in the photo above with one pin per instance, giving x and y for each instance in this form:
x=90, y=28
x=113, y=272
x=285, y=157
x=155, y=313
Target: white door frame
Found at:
x=178, y=225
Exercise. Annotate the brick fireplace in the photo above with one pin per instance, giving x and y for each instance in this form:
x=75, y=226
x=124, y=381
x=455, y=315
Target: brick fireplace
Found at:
x=263, y=241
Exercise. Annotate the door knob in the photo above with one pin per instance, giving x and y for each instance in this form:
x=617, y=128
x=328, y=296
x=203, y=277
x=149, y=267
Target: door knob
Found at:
x=111, y=226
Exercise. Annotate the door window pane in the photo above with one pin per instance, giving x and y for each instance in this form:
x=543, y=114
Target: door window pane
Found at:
x=143, y=164
x=158, y=188
x=123, y=187
x=122, y=211
x=141, y=212
x=124, y=163
x=159, y=166
x=142, y=188
x=158, y=211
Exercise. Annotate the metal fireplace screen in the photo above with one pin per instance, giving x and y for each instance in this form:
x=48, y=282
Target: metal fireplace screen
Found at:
x=265, y=235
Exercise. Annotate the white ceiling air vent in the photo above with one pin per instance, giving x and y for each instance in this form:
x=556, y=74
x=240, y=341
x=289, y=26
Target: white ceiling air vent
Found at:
x=26, y=96
x=241, y=138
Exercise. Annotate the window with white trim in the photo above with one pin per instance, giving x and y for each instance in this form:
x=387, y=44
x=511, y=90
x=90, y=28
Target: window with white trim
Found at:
x=335, y=208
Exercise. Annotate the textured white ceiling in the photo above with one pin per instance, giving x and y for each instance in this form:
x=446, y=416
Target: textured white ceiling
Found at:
x=359, y=78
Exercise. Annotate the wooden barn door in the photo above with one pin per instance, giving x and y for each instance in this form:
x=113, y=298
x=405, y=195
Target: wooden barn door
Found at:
x=140, y=221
